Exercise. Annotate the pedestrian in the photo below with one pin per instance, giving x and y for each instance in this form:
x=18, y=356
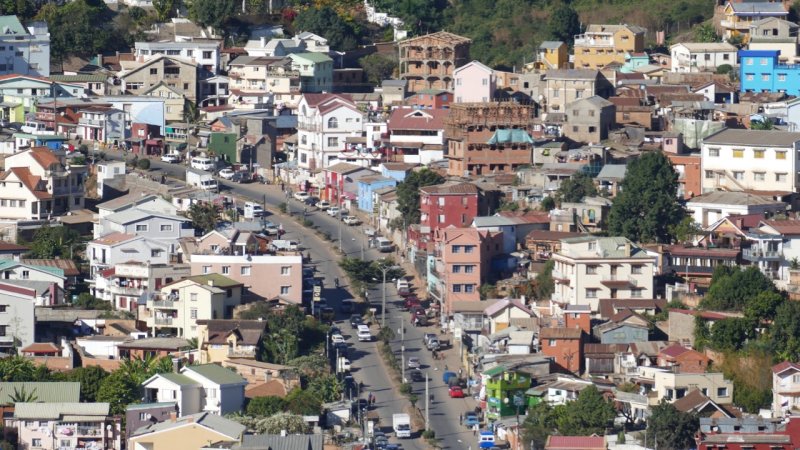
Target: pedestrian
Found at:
x=445, y=367
x=283, y=187
x=459, y=372
x=460, y=418
x=475, y=430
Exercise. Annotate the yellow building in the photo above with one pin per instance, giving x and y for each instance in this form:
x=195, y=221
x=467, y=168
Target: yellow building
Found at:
x=553, y=55
x=219, y=339
x=601, y=45
x=192, y=432
x=740, y=16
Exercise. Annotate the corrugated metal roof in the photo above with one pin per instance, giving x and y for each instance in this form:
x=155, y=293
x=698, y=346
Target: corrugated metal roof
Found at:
x=217, y=374
x=276, y=441
x=214, y=422
x=44, y=392
x=179, y=379
x=56, y=410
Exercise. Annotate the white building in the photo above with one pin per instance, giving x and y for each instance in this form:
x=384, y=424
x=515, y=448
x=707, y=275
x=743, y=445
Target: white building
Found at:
x=24, y=51
x=154, y=225
x=108, y=170
x=204, y=53
x=124, y=284
x=46, y=175
x=773, y=247
x=590, y=268
x=708, y=208
x=324, y=123
x=316, y=71
x=303, y=42
x=785, y=385
x=474, y=82
x=140, y=200
x=102, y=124
x=115, y=248
x=57, y=426
x=16, y=315
x=702, y=56
x=738, y=160
x=208, y=387
x=417, y=134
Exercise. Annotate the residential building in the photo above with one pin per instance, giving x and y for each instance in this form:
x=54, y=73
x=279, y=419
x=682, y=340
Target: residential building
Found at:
x=257, y=373
x=697, y=263
x=505, y=391
x=316, y=71
x=324, y=123
x=591, y=214
x=774, y=33
x=265, y=276
x=25, y=196
x=125, y=283
x=743, y=436
x=366, y=190
x=709, y=208
x=102, y=124
x=56, y=186
x=683, y=360
x=192, y=431
x=689, y=57
x=174, y=100
x=92, y=84
x=116, y=248
x=515, y=228
x=430, y=99
x=564, y=86
x=156, y=347
x=55, y=426
x=775, y=244
x=785, y=387
x=138, y=415
x=148, y=202
x=601, y=45
x=220, y=339
x=575, y=442
x=341, y=181
x=739, y=17
x=689, y=173
x=671, y=386
x=263, y=80
x=474, y=83
x=463, y=263
x=417, y=136
x=153, y=225
x=180, y=304
x=25, y=50
x=762, y=71
x=741, y=160
x=502, y=313
x=394, y=92
x=17, y=272
x=201, y=388
x=141, y=75
x=299, y=441
x=590, y=268
x=17, y=323
x=429, y=61
x=449, y=204
x=204, y=53
x=553, y=55
x=626, y=327
x=565, y=346
x=589, y=119
x=21, y=94
x=486, y=138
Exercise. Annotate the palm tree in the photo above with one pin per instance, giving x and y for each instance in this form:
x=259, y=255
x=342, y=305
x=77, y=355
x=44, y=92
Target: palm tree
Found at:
x=22, y=396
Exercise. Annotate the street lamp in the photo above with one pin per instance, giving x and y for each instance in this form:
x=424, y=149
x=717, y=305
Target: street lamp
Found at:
x=384, y=270
x=362, y=247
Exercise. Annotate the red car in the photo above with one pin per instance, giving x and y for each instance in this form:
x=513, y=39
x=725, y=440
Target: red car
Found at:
x=411, y=302
x=456, y=392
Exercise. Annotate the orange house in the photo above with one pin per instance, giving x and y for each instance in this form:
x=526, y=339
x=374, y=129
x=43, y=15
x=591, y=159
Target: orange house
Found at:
x=565, y=346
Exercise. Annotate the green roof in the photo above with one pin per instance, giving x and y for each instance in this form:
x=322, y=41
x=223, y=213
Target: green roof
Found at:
x=43, y=392
x=11, y=25
x=220, y=281
x=57, y=410
x=179, y=379
x=79, y=78
x=10, y=263
x=494, y=371
x=314, y=57
x=217, y=374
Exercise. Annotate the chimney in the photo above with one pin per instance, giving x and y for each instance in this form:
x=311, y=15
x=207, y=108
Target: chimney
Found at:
x=173, y=416
x=627, y=248
x=176, y=365
x=211, y=283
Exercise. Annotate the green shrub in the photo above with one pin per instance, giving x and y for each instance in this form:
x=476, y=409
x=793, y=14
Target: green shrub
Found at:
x=143, y=164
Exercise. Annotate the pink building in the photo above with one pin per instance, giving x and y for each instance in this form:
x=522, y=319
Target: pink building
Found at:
x=266, y=276
x=474, y=82
x=463, y=262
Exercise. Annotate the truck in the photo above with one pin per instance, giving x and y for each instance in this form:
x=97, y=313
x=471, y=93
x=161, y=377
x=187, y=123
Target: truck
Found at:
x=201, y=179
x=401, y=423
x=252, y=210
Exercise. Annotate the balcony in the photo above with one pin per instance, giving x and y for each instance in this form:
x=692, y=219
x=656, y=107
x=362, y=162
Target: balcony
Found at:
x=90, y=431
x=758, y=254
x=692, y=270
x=560, y=277
x=173, y=76
x=169, y=304
x=619, y=281
x=594, y=41
x=735, y=25
x=163, y=321
x=68, y=190
x=91, y=122
x=126, y=290
x=308, y=125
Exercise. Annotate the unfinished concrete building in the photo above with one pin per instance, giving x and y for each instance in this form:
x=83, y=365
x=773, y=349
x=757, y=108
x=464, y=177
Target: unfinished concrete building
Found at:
x=488, y=137
x=428, y=62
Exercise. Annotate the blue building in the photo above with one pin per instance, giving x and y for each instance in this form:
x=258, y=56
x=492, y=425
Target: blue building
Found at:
x=761, y=71
x=396, y=170
x=367, y=186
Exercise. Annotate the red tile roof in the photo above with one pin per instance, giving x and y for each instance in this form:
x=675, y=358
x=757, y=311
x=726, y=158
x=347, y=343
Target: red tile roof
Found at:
x=40, y=347
x=450, y=189
x=575, y=443
x=784, y=226
x=780, y=367
x=67, y=265
x=113, y=238
x=9, y=247
x=28, y=179
x=268, y=389
x=417, y=119
x=674, y=350
x=527, y=216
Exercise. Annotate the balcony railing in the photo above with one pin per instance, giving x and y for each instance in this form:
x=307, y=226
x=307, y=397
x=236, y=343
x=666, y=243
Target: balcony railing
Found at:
x=679, y=269
x=164, y=304
x=67, y=190
x=90, y=431
x=91, y=122
x=308, y=125
x=756, y=254
x=126, y=290
x=621, y=279
x=163, y=320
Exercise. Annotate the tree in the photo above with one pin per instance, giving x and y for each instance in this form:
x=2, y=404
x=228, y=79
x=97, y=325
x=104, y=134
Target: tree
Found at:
x=119, y=390
x=17, y=368
x=545, y=285
x=303, y=402
x=311, y=366
x=326, y=388
x=723, y=69
x=378, y=67
x=685, y=230
x=547, y=204
x=213, y=13
x=763, y=306
x=589, y=414
x=204, y=216
x=143, y=164
x=324, y=21
x=564, y=23
x=82, y=28
x=540, y=423
x=86, y=300
x=575, y=189
x=52, y=242
x=164, y=9
x=731, y=333
x=408, y=192
x=90, y=379
x=265, y=406
x=24, y=9
x=765, y=124
x=705, y=33
x=733, y=288
x=647, y=207
x=784, y=332
x=487, y=291
x=670, y=429
x=291, y=423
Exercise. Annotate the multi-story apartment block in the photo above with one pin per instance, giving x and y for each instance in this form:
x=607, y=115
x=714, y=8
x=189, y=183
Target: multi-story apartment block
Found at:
x=590, y=268
x=153, y=225
x=125, y=283
x=17, y=323
x=600, y=45
x=762, y=71
x=739, y=17
x=102, y=124
x=785, y=387
x=589, y=119
x=142, y=74
x=774, y=245
x=474, y=82
x=324, y=122
x=21, y=94
x=116, y=248
x=670, y=385
x=774, y=33
x=445, y=205
x=565, y=86
x=180, y=304
x=741, y=160
x=57, y=426
x=58, y=188
x=205, y=53
x=417, y=136
x=702, y=56
x=263, y=79
x=315, y=69
x=429, y=61
x=265, y=276
x=486, y=138
x=24, y=51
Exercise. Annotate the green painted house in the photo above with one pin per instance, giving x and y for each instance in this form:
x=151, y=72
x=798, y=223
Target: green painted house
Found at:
x=224, y=146
x=505, y=391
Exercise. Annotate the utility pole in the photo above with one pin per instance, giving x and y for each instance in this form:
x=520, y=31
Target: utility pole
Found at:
x=383, y=304
x=427, y=406
x=339, y=217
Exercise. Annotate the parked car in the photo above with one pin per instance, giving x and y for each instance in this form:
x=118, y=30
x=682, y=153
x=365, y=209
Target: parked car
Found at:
x=433, y=344
x=456, y=392
x=337, y=338
x=227, y=173
x=333, y=211
x=301, y=195
x=410, y=302
x=171, y=158
x=427, y=338
x=311, y=201
x=344, y=364
x=471, y=419
x=356, y=320
x=413, y=362
x=202, y=163
x=323, y=205
x=403, y=287
x=364, y=335
x=242, y=177
x=416, y=375
x=351, y=220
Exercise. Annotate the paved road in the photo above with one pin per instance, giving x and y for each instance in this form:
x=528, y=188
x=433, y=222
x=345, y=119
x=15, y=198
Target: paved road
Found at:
x=367, y=367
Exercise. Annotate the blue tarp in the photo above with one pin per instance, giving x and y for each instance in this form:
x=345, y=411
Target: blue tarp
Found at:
x=513, y=136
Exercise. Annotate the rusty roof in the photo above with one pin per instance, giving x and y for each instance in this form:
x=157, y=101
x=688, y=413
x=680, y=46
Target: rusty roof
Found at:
x=44, y=157
x=450, y=189
x=67, y=265
x=560, y=333
x=784, y=226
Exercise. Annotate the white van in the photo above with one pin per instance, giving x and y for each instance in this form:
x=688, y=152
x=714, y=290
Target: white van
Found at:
x=209, y=185
x=253, y=210
x=202, y=163
x=364, y=335
x=383, y=245
x=285, y=244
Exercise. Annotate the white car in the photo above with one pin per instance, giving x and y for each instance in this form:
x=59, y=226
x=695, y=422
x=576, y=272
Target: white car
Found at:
x=337, y=339
x=323, y=205
x=344, y=364
x=170, y=158
x=202, y=163
x=363, y=333
x=413, y=362
x=351, y=220
x=301, y=195
x=333, y=211
x=226, y=173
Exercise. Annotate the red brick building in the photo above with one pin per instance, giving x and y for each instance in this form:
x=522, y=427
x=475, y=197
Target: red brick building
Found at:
x=430, y=99
x=688, y=168
x=787, y=437
x=448, y=204
x=565, y=345
x=684, y=360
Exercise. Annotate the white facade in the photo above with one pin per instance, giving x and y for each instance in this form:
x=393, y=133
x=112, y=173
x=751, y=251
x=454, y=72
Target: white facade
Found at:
x=116, y=248
x=773, y=247
x=219, y=398
x=24, y=51
x=102, y=125
x=322, y=128
x=188, y=396
x=17, y=271
x=590, y=268
x=63, y=184
x=785, y=385
x=708, y=208
x=205, y=54
x=16, y=315
x=130, y=280
x=150, y=224
x=474, y=82
x=702, y=56
x=672, y=386
x=738, y=160
x=107, y=171
x=316, y=71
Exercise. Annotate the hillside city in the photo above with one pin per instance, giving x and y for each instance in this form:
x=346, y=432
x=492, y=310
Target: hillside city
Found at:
x=322, y=225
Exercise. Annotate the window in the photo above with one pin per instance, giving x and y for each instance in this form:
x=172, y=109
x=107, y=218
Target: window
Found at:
x=722, y=392
x=764, y=77
x=795, y=378
x=579, y=94
x=286, y=270
x=780, y=155
x=591, y=270
x=284, y=290
x=333, y=142
x=469, y=269
x=193, y=313
x=3, y=308
x=637, y=269
x=456, y=288
x=780, y=177
x=30, y=424
x=193, y=296
x=551, y=342
x=636, y=292
x=726, y=57
x=709, y=174
x=245, y=270
x=485, y=81
x=469, y=288
x=781, y=77
x=35, y=442
x=469, y=248
x=591, y=293
x=214, y=248
x=154, y=71
x=26, y=274
x=333, y=122
x=455, y=249
x=592, y=245
x=206, y=269
x=738, y=175
x=207, y=55
x=141, y=227
x=759, y=176
x=764, y=61
x=144, y=416
x=555, y=93
x=3, y=330
x=738, y=153
x=226, y=270
x=166, y=227
x=155, y=253
x=456, y=268
x=441, y=218
x=759, y=153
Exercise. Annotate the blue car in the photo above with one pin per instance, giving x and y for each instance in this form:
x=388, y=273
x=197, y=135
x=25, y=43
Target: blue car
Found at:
x=447, y=376
x=471, y=419
x=486, y=439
